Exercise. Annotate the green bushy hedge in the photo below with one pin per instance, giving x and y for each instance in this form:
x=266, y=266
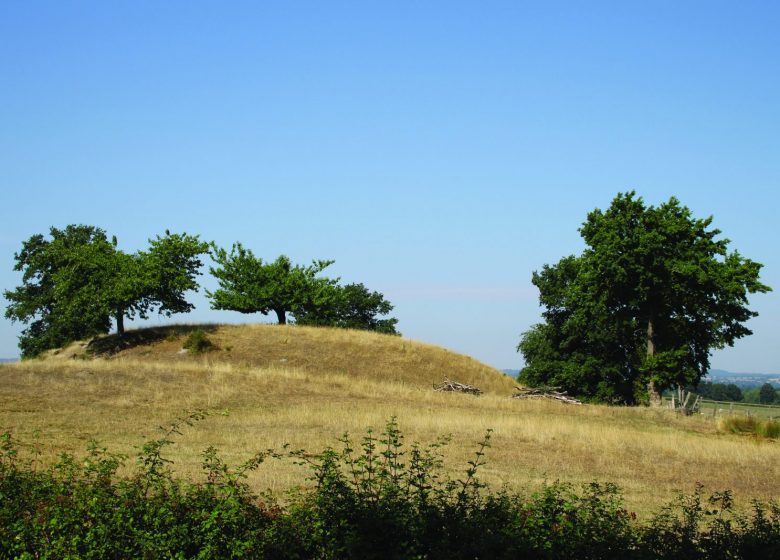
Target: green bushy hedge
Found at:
x=378, y=498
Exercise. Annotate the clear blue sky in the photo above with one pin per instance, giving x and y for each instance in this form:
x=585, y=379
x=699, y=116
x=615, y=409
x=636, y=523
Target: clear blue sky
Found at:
x=438, y=151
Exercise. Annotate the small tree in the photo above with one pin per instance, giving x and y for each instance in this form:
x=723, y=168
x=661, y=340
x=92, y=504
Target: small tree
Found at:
x=351, y=306
x=248, y=285
x=767, y=394
x=74, y=284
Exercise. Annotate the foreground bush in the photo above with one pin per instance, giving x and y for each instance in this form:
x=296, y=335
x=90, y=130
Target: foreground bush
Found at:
x=378, y=498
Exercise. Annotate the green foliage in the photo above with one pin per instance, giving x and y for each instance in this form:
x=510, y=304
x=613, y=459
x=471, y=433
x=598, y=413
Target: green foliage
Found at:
x=198, y=342
x=170, y=267
x=351, y=306
x=74, y=284
x=248, y=285
x=718, y=391
x=754, y=395
x=767, y=394
x=56, y=297
x=640, y=310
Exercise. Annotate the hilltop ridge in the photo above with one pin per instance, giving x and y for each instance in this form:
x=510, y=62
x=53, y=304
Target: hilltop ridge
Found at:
x=313, y=350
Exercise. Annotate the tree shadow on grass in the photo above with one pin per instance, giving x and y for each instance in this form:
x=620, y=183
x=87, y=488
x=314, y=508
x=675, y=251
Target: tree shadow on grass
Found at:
x=111, y=344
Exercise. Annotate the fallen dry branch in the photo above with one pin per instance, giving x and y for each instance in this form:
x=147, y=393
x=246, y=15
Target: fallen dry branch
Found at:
x=546, y=393
x=457, y=387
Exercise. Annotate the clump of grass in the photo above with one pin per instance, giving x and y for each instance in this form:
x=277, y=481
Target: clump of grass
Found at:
x=738, y=424
x=770, y=429
x=198, y=342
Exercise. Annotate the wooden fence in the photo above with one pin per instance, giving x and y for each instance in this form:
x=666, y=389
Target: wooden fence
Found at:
x=689, y=403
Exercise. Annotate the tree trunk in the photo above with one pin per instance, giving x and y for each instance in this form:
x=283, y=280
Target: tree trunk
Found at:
x=652, y=391
x=120, y=321
x=280, y=314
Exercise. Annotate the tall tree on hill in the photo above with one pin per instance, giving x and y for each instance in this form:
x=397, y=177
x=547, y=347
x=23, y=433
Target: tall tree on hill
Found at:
x=640, y=310
x=248, y=285
x=75, y=283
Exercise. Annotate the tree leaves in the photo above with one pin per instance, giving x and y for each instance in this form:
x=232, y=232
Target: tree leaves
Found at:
x=645, y=269
x=74, y=283
x=351, y=306
x=248, y=285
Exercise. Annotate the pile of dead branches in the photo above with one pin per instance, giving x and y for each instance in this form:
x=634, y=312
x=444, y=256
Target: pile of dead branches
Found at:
x=457, y=387
x=545, y=393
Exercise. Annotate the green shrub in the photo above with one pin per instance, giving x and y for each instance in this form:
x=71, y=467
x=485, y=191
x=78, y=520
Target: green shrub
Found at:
x=198, y=342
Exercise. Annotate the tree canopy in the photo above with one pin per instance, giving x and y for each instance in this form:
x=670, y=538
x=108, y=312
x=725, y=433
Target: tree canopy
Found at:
x=248, y=285
x=641, y=309
x=352, y=306
x=76, y=282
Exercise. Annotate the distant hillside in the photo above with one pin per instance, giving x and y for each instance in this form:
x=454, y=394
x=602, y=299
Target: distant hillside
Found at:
x=315, y=350
x=743, y=380
x=6, y=360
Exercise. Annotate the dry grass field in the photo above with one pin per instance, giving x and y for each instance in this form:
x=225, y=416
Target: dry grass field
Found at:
x=269, y=385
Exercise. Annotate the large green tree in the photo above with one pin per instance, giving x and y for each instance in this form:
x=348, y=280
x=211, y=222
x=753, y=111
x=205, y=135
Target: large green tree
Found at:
x=77, y=281
x=352, y=306
x=641, y=309
x=249, y=285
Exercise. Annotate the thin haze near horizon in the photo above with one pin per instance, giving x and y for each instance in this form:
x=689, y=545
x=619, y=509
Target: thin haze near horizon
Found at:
x=440, y=152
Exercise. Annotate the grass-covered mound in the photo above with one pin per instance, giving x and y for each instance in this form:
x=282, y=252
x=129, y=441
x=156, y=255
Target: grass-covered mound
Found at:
x=314, y=350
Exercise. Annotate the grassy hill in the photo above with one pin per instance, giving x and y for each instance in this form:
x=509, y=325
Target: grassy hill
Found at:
x=356, y=354
x=270, y=385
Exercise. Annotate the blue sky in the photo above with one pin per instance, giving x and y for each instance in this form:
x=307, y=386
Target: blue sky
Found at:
x=438, y=151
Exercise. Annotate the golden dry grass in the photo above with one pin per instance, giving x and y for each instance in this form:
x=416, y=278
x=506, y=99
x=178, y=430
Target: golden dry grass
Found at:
x=356, y=354
x=121, y=401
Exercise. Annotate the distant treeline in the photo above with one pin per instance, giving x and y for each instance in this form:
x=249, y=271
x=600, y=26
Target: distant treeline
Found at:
x=766, y=394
